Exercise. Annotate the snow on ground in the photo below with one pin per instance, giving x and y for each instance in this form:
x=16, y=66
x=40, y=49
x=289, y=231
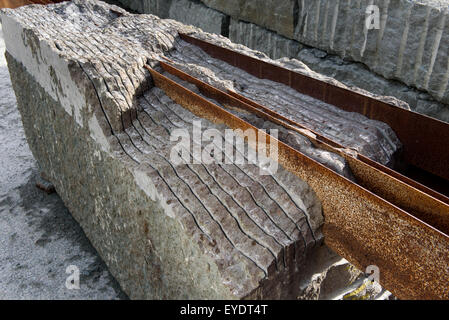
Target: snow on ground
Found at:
x=39, y=238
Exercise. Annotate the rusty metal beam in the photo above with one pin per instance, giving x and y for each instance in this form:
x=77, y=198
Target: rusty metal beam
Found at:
x=427, y=205
x=421, y=136
x=413, y=257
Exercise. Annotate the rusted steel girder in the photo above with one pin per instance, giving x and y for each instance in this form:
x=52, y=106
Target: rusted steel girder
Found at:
x=421, y=136
x=427, y=205
x=413, y=257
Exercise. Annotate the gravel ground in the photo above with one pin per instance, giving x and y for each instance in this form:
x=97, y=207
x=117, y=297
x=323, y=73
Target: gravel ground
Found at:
x=39, y=238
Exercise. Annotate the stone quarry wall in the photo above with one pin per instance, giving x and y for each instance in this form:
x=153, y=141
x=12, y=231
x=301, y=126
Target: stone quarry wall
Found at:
x=407, y=57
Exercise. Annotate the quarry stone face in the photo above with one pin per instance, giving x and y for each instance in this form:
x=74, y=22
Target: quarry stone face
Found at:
x=101, y=132
x=405, y=57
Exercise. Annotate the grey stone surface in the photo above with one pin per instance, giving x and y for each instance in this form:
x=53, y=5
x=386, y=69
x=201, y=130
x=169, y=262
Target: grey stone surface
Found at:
x=101, y=133
x=165, y=231
x=200, y=16
x=410, y=45
x=276, y=15
x=371, y=138
x=357, y=75
x=39, y=238
x=410, y=48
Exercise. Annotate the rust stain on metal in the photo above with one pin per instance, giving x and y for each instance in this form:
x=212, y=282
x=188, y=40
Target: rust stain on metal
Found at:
x=421, y=135
x=361, y=226
x=427, y=205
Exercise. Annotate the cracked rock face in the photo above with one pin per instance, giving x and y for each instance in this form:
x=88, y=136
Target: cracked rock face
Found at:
x=101, y=132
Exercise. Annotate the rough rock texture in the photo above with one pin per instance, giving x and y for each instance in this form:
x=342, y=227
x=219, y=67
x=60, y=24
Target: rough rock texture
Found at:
x=357, y=75
x=208, y=20
x=292, y=138
x=410, y=45
x=258, y=38
x=272, y=14
x=371, y=138
x=101, y=133
x=166, y=231
x=39, y=237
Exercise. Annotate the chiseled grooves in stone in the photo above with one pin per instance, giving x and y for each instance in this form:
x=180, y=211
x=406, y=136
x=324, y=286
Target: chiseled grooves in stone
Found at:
x=292, y=138
x=253, y=232
x=371, y=138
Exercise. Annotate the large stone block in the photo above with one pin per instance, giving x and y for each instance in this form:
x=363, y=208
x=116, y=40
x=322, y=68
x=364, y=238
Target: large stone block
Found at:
x=102, y=133
x=274, y=15
x=77, y=70
x=200, y=16
x=409, y=45
x=258, y=38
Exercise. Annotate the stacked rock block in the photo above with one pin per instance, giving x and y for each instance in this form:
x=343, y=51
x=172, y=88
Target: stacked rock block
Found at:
x=101, y=133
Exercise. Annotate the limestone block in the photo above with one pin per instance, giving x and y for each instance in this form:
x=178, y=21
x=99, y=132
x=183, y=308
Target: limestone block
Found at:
x=274, y=15
x=200, y=16
x=101, y=132
x=257, y=38
x=414, y=46
x=424, y=66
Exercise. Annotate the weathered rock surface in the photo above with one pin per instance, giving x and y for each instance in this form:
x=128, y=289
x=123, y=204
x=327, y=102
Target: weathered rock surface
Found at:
x=39, y=237
x=258, y=38
x=206, y=19
x=405, y=58
x=292, y=138
x=101, y=133
x=371, y=138
x=272, y=14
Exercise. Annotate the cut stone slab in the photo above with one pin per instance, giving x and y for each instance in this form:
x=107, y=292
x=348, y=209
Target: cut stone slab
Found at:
x=200, y=16
x=101, y=132
x=406, y=58
x=258, y=38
